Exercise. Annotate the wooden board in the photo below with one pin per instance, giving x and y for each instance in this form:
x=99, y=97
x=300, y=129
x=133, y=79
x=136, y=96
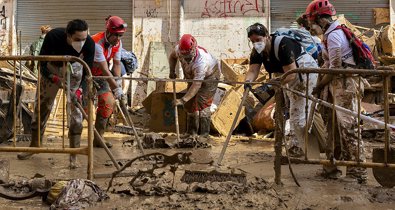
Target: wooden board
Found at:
x=229, y=71
x=381, y=15
x=387, y=41
x=223, y=118
x=162, y=113
x=167, y=87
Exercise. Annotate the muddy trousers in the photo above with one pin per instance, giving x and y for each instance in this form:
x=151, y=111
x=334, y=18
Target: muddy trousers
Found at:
x=47, y=96
x=344, y=92
x=297, y=106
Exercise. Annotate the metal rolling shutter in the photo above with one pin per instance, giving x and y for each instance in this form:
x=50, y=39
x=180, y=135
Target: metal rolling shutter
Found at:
x=358, y=12
x=31, y=14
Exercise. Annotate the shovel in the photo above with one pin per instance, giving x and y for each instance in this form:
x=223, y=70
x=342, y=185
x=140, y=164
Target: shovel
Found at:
x=122, y=106
x=214, y=175
x=384, y=176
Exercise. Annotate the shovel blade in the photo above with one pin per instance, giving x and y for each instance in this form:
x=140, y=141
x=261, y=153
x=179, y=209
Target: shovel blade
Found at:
x=384, y=176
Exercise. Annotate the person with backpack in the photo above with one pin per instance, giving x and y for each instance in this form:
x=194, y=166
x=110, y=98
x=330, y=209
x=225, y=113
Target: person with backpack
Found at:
x=338, y=53
x=303, y=24
x=279, y=54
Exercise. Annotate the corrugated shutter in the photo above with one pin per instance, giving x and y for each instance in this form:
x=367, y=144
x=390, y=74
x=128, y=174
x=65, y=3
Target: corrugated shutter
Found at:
x=31, y=14
x=357, y=12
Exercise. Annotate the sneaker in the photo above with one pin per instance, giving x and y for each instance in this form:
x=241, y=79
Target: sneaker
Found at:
x=357, y=173
x=98, y=145
x=335, y=174
x=359, y=180
x=24, y=155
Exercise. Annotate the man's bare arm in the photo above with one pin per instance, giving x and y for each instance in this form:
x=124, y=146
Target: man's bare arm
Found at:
x=172, y=63
x=106, y=72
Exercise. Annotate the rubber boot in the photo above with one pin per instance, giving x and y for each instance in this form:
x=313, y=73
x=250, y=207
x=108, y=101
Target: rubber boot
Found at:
x=204, y=124
x=74, y=143
x=100, y=125
x=28, y=155
x=192, y=125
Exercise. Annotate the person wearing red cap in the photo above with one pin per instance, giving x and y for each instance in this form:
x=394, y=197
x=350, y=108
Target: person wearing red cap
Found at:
x=200, y=65
x=108, y=48
x=337, y=53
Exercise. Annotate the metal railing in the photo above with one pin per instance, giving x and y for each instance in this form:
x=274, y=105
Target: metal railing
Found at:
x=82, y=150
x=385, y=72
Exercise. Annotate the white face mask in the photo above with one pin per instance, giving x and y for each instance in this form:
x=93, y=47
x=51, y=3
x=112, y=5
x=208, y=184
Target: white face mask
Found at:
x=259, y=46
x=78, y=45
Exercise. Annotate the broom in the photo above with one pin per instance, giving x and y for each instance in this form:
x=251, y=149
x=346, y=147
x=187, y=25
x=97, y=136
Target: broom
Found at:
x=215, y=175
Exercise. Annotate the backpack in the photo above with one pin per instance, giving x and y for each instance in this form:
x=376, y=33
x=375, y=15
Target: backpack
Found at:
x=129, y=60
x=301, y=36
x=362, y=55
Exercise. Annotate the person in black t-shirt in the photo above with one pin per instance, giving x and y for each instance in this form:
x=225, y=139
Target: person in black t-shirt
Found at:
x=73, y=41
x=290, y=56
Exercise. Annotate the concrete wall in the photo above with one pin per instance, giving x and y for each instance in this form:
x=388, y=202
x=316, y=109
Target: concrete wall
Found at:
x=6, y=26
x=392, y=12
x=219, y=26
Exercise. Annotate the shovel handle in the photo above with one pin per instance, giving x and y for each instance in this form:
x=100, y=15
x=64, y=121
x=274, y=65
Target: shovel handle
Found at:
x=221, y=156
x=100, y=138
x=176, y=113
x=125, y=114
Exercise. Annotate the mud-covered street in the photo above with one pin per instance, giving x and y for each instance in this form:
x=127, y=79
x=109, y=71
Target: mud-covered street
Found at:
x=251, y=156
x=185, y=104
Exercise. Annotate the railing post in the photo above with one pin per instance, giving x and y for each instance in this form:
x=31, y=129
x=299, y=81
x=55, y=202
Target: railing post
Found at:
x=386, y=119
x=90, y=129
x=279, y=133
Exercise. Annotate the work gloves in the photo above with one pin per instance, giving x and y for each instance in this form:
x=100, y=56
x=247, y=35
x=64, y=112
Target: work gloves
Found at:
x=172, y=75
x=179, y=102
x=118, y=93
x=56, y=80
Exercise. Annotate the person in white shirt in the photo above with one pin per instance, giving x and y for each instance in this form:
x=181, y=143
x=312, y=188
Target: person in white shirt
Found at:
x=196, y=64
x=337, y=53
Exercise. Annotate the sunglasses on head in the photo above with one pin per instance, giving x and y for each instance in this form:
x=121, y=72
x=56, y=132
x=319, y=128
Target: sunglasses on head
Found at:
x=122, y=26
x=258, y=29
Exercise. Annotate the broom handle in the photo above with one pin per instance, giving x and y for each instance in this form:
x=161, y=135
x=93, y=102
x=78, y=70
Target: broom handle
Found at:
x=176, y=113
x=221, y=156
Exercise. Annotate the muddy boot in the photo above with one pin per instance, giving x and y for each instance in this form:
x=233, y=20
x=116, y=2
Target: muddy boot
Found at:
x=295, y=152
x=100, y=125
x=192, y=126
x=357, y=173
x=204, y=124
x=28, y=155
x=96, y=141
x=74, y=143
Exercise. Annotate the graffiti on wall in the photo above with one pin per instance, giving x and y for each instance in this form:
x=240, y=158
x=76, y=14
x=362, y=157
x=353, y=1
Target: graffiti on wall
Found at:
x=231, y=8
x=151, y=13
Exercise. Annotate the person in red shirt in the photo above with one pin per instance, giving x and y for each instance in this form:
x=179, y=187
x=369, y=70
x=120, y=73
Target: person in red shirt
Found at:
x=108, y=47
